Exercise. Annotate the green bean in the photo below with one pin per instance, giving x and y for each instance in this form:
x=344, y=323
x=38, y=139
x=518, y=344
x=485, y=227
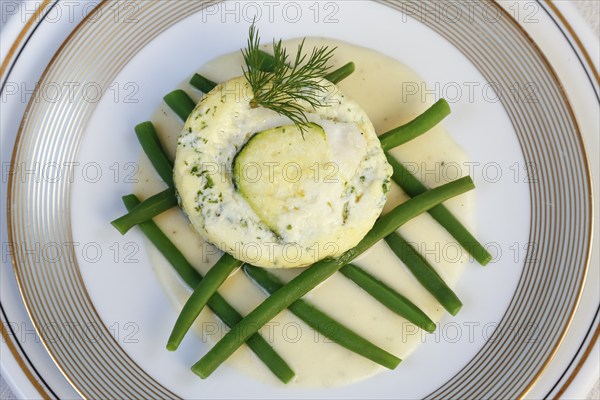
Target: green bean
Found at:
x=418, y=126
x=150, y=143
x=146, y=210
x=202, y=83
x=341, y=73
x=181, y=265
x=180, y=102
x=323, y=323
x=413, y=187
x=268, y=65
x=217, y=303
x=322, y=270
x=424, y=272
x=199, y=298
x=388, y=297
x=205, y=85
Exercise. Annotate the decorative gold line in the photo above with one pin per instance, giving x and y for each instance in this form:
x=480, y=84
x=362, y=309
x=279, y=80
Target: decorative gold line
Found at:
x=17, y=42
x=493, y=348
x=22, y=364
x=587, y=173
x=3, y=68
x=578, y=41
x=592, y=67
x=83, y=312
x=591, y=210
x=556, y=92
x=582, y=361
x=18, y=139
x=529, y=275
x=143, y=380
x=160, y=390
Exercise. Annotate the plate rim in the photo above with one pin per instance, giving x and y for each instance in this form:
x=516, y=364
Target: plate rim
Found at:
x=580, y=44
x=21, y=36
x=7, y=61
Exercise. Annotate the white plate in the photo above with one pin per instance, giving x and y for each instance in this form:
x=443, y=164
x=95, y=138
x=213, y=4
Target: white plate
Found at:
x=488, y=291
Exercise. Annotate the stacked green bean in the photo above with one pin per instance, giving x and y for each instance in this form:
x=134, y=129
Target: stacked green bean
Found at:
x=217, y=303
x=206, y=289
x=321, y=271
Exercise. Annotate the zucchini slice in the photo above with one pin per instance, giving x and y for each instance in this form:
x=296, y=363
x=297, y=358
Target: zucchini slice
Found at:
x=279, y=169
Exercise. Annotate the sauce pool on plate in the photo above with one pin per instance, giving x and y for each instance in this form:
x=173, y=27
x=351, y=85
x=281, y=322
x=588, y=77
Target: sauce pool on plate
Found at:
x=377, y=86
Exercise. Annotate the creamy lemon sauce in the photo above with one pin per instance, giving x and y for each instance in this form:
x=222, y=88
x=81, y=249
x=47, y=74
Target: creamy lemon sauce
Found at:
x=377, y=87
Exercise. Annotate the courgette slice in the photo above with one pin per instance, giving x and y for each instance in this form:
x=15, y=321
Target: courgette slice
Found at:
x=279, y=169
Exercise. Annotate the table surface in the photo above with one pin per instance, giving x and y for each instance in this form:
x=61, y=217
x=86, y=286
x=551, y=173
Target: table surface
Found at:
x=590, y=9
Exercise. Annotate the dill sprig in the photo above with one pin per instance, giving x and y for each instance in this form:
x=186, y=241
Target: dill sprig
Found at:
x=287, y=85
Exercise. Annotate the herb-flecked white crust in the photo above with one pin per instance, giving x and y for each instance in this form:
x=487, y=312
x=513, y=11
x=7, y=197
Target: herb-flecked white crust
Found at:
x=218, y=128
